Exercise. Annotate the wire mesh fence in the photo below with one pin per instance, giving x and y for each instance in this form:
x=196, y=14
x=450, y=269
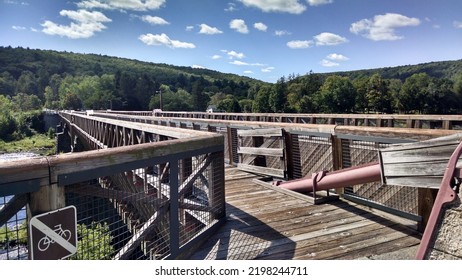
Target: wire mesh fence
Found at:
x=13, y=234
x=137, y=214
x=311, y=154
x=361, y=151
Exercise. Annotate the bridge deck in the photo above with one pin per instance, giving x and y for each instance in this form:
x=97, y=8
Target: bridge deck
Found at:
x=264, y=223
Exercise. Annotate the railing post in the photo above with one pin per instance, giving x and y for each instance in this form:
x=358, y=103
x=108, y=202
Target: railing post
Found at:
x=47, y=198
x=217, y=186
x=426, y=199
x=289, y=154
x=337, y=160
x=174, y=209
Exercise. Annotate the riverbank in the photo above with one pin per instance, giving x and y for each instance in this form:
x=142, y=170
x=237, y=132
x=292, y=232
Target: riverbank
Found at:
x=38, y=144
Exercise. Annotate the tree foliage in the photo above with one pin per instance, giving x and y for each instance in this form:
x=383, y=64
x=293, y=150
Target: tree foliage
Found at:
x=65, y=80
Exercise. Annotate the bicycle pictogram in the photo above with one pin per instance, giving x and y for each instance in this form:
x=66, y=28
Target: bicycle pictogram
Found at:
x=45, y=242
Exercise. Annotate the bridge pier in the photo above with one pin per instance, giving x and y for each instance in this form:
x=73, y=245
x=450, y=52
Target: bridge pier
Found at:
x=67, y=140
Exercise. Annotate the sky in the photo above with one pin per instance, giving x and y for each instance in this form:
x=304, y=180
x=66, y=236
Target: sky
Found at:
x=261, y=39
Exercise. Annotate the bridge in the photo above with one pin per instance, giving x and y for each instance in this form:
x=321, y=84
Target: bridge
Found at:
x=182, y=185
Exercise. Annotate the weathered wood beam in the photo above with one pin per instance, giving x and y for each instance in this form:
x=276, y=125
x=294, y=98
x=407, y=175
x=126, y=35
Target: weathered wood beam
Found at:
x=275, y=152
x=12, y=207
x=138, y=237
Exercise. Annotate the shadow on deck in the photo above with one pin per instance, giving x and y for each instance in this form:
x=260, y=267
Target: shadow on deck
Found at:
x=264, y=223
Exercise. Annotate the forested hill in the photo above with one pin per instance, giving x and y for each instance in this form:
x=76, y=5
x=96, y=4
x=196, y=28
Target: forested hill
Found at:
x=441, y=70
x=33, y=79
x=30, y=71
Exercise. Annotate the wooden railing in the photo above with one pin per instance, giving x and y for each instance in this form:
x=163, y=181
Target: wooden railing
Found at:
x=375, y=120
x=157, y=192
x=309, y=148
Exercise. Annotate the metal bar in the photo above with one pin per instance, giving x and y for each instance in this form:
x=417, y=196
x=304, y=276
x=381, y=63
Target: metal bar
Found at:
x=174, y=210
x=445, y=195
x=361, y=174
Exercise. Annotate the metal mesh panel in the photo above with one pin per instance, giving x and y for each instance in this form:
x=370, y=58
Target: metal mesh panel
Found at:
x=311, y=154
x=196, y=204
x=356, y=152
x=112, y=210
x=13, y=234
x=224, y=131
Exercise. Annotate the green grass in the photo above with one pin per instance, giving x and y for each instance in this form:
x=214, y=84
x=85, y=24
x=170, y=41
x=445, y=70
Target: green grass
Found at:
x=38, y=143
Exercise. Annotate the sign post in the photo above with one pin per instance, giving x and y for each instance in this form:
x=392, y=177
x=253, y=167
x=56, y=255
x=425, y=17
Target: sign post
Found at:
x=53, y=235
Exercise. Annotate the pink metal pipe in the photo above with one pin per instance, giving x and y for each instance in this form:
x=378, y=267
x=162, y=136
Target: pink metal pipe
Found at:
x=360, y=174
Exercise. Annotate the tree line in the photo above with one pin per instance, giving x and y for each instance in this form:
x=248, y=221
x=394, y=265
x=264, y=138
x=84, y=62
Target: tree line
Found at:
x=315, y=93
x=33, y=79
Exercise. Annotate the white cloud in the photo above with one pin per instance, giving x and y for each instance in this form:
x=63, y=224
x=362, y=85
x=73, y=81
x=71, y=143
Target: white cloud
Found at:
x=154, y=20
x=297, y=44
x=216, y=56
x=267, y=69
x=163, y=40
x=231, y=7
x=239, y=63
x=239, y=25
x=281, y=32
x=328, y=63
x=19, y=28
x=243, y=63
x=134, y=5
x=195, y=66
x=284, y=6
x=234, y=54
x=84, y=24
x=337, y=57
x=260, y=26
x=383, y=27
x=319, y=2
x=205, y=29
x=458, y=24
x=189, y=28
x=248, y=72
x=329, y=39
x=34, y=30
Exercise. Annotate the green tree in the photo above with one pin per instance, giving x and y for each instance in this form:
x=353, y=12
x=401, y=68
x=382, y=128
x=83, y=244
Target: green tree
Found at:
x=27, y=83
x=394, y=87
x=26, y=102
x=361, y=103
x=7, y=83
x=8, y=124
x=261, y=102
x=246, y=105
x=440, y=98
x=278, y=96
x=180, y=100
x=230, y=104
x=413, y=92
x=294, y=95
x=94, y=242
x=199, y=98
x=337, y=95
x=377, y=95
x=71, y=102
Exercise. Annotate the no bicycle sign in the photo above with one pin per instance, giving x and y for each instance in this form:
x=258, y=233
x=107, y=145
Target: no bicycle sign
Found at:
x=54, y=234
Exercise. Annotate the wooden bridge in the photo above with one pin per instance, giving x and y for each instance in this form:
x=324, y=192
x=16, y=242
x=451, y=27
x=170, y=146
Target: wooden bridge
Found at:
x=160, y=186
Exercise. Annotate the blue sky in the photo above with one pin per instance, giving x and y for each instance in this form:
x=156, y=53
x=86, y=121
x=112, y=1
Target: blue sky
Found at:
x=262, y=39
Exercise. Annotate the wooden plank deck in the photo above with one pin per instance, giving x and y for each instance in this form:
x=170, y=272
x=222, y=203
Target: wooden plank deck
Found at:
x=267, y=223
